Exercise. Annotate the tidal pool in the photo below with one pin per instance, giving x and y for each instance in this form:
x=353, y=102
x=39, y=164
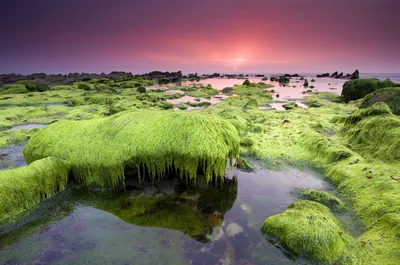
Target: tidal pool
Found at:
x=11, y=156
x=28, y=126
x=160, y=223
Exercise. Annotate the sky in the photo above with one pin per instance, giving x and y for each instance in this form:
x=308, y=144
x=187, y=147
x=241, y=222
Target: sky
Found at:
x=204, y=36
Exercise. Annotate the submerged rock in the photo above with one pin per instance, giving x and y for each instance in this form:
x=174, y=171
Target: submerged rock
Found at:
x=308, y=229
x=247, y=209
x=233, y=229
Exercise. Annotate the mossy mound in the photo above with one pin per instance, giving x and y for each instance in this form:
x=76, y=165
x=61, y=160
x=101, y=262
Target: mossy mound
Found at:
x=153, y=142
x=252, y=104
x=325, y=198
x=359, y=88
x=374, y=132
x=389, y=95
x=23, y=187
x=13, y=89
x=308, y=229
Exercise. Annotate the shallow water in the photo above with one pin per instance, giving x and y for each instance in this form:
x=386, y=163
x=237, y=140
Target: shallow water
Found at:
x=160, y=223
x=285, y=92
x=28, y=126
x=11, y=156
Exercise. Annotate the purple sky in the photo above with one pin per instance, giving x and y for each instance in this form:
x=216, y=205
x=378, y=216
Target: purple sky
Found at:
x=199, y=36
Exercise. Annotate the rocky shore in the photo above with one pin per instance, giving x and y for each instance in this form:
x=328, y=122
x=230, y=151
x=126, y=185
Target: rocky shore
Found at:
x=81, y=77
x=337, y=75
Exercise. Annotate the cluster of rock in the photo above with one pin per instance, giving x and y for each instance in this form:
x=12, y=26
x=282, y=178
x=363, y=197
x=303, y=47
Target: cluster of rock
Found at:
x=80, y=77
x=355, y=75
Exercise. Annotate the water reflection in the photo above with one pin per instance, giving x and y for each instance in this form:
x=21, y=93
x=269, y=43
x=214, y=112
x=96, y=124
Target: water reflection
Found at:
x=164, y=222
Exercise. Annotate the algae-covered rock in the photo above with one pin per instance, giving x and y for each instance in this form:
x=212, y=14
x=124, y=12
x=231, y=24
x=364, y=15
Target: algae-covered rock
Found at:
x=247, y=142
x=243, y=164
x=252, y=104
x=156, y=142
x=374, y=132
x=359, y=88
x=308, y=229
x=325, y=198
x=24, y=187
x=290, y=106
x=389, y=95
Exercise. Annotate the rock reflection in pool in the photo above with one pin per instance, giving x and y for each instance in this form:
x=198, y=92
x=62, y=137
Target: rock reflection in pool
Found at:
x=159, y=223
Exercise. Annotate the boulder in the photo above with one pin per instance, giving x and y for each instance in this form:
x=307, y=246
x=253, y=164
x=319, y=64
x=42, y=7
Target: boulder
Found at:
x=359, y=88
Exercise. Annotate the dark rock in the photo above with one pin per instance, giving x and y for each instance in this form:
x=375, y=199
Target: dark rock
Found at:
x=355, y=75
x=334, y=75
x=259, y=75
x=339, y=75
x=359, y=88
x=323, y=75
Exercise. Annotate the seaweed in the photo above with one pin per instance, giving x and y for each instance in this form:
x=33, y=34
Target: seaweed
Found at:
x=155, y=141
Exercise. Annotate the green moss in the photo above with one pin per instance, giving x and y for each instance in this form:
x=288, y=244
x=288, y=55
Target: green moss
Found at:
x=183, y=106
x=374, y=132
x=308, y=229
x=247, y=142
x=325, y=198
x=390, y=95
x=243, y=164
x=252, y=104
x=359, y=88
x=22, y=188
x=100, y=149
x=13, y=89
x=289, y=106
x=203, y=93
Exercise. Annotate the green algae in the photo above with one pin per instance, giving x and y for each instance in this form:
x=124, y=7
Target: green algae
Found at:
x=157, y=142
x=290, y=106
x=374, y=132
x=310, y=230
x=390, y=95
x=13, y=89
x=325, y=198
x=24, y=187
x=359, y=88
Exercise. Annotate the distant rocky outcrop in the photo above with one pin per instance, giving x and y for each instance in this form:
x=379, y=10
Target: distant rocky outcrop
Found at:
x=79, y=77
x=323, y=75
x=355, y=75
x=289, y=75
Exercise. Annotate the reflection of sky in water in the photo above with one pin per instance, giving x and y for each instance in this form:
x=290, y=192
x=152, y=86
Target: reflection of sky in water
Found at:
x=88, y=235
x=293, y=90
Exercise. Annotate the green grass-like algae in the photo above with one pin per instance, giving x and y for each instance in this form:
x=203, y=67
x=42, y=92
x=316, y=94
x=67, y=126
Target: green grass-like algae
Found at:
x=24, y=187
x=308, y=229
x=155, y=141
